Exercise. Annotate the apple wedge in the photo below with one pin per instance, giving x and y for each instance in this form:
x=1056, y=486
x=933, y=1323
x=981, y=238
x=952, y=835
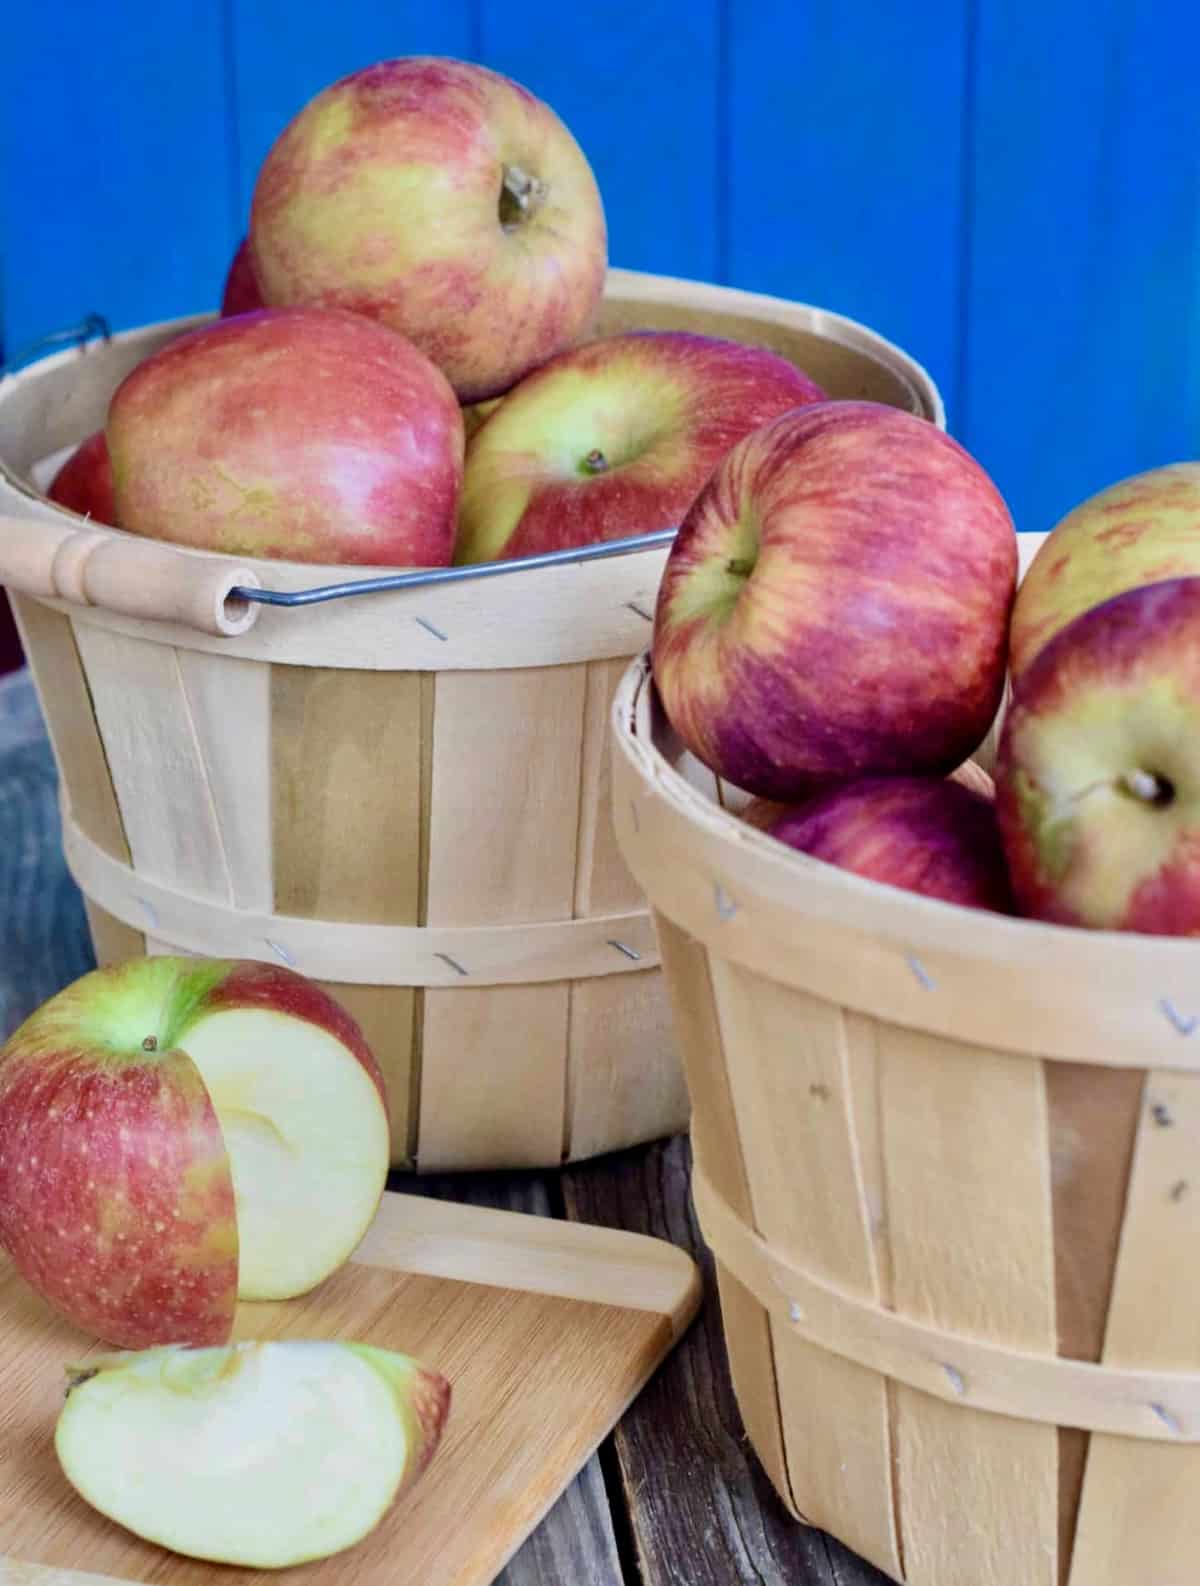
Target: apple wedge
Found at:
x=179, y=1132
x=259, y=1454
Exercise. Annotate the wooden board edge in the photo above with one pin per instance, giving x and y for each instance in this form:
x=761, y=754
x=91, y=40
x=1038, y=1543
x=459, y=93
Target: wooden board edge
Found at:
x=515, y=1250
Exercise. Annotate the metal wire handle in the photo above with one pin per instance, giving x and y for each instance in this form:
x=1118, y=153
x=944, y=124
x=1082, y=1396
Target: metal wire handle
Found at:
x=424, y=578
x=92, y=324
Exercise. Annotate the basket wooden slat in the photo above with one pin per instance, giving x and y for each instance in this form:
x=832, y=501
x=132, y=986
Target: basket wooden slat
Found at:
x=1133, y=1492
x=338, y=785
x=714, y=1131
x=959, y=1279
x=788, y=1076
x=958, y=1126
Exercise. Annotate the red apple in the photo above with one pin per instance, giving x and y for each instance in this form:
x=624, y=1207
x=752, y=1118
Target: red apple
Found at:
x=1098, y=772
x=615, y=438
x=175, y=1132
x=241, y=294
x=84, y=482
x=836, y=603
x=1141, y=530
x=935, y=837
x=306, y=433
x=444, y=200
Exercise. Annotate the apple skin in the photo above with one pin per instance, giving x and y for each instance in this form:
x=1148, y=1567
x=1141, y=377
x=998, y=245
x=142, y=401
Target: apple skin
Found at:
x=116, y=1190
x=311, y=434
x=383, y=195
x=935, y=837
x=1098, y=770
x=84, y=482
x=240, y=294
x=613, y=438
x=1141, y=530
x=836, y=603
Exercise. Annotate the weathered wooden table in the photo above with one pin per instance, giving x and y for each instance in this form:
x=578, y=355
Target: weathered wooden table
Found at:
x=675, y=1497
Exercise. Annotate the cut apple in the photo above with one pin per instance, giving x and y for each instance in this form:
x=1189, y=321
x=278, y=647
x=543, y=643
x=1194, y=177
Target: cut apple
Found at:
x=178, y=1132
x=259, y=1454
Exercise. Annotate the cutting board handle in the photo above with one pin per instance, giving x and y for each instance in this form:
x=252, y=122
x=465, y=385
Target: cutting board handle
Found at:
x=133, y=577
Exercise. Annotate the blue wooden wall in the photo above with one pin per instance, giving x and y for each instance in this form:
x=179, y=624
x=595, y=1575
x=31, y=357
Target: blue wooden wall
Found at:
x=1010, y=189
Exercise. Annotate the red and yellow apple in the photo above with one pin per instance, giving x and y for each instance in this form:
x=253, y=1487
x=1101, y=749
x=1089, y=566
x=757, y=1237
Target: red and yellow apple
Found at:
x=1141, y=530
x=1098, y=771
x=444, y=200
x=240, y=294
x=614, y=438
x=306, y=433
x=259, y=1454
x=84, y=482
x=836, y=603
x=176, y=1132
x=937, y=837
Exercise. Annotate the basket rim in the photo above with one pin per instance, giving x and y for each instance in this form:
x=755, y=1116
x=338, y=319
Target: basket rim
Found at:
x=628, y=285
x=1011, y=983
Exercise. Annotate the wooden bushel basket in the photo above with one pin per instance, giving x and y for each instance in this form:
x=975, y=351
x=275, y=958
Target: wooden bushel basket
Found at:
x=404, y=796
x=949, y=1166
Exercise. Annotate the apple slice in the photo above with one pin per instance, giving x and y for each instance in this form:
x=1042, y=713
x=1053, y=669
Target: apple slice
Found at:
x=176, y=1132
x=260, y=1454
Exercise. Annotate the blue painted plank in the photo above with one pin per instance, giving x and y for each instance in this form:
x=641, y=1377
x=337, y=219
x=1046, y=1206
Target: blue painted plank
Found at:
x=845, y=153
x=116, y=193
x=1083, y=350
x=283, y=54
x=639, y=88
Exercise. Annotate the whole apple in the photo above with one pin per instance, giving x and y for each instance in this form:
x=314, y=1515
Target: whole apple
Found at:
x=836, y=603
x=84, y=482
x=1141, y=530
x=446, y=201
x=1098, y=771
x=615, y=438
x=176, y=1132
x=240, y=294
x=306, y=433
x=261, y=1454
x=935, y=837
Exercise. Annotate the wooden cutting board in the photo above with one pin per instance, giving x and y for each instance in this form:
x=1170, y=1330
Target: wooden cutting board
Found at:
x=546, y=1330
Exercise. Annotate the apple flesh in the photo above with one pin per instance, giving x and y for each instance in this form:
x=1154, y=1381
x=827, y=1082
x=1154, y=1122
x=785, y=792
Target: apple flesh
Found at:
x=240, y=294
x=311, y=434
x=615, y=438
x=176, y=1132
x=1142, y=530
x=935, y=837
x=836, y=603
x=84, y=482
x=258, y=1454
x=1098, y=771
x=444, y=200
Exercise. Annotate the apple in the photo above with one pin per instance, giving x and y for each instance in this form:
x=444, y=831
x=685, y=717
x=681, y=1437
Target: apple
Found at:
x=763, y=813
x=1142, y=530
x=259, y=1454
x=935, y=837
x=836, y=603
x=446, y=201
x=614, y=438
x=176, y=1132
x=1098, y=770
x=84, y=482
x=306, y=433
x=241, y=294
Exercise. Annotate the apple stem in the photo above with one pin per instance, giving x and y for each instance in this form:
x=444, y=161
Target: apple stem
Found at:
x=1146, y=786
x=521, y=196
